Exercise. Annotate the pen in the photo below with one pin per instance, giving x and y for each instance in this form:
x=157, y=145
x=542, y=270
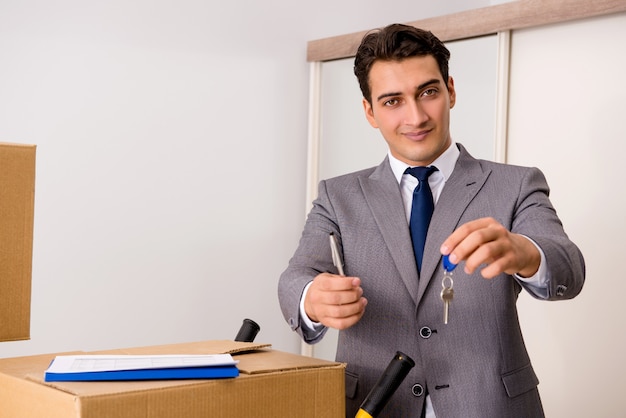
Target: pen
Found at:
x=334, y=249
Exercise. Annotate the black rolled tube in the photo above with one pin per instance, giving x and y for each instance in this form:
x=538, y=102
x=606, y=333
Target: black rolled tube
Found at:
x=394, y=374
x=248, y=331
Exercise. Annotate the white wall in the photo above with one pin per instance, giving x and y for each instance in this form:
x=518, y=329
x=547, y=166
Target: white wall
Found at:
x=171, y=159
x=566, y=110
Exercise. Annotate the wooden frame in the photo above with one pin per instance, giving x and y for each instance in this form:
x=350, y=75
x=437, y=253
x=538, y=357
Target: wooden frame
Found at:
x=487, y=20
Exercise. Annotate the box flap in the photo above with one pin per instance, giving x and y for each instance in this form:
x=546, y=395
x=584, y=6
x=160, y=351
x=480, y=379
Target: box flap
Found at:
x=199, y=347
x=266, y=361
x=17, y=201
x=253, y=357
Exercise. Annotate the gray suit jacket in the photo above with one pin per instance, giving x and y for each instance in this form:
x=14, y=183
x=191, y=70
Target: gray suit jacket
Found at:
x=477, y=364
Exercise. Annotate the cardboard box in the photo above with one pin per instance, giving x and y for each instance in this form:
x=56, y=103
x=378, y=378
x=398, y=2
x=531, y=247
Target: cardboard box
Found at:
x=17, y=200
x=271, y=384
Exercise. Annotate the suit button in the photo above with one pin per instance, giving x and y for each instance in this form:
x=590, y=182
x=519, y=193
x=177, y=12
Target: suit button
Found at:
x=425, y=332
x=417, y=389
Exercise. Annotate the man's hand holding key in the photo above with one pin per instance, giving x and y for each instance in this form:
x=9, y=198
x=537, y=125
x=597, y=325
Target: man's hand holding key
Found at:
x=485, y=241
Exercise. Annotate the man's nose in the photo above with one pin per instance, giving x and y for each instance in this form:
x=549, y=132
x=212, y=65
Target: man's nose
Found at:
x=415, y=113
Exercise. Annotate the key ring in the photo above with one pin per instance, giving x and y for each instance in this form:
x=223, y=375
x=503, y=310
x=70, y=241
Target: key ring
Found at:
x=447, y=275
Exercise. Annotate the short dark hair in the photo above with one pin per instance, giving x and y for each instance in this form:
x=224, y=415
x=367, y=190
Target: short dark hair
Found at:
x=395, y=43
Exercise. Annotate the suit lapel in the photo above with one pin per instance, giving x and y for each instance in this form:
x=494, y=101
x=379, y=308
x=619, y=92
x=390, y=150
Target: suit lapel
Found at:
x=466, y=181
x=382, y=193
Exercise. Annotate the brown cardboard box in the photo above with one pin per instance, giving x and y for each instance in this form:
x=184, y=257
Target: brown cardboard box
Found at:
x=17, y=197
x=271, y=384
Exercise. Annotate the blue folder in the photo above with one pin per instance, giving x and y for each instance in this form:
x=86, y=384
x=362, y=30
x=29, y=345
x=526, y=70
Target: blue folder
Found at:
x=212, y=372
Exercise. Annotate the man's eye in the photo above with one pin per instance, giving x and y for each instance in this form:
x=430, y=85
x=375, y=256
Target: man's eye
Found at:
x=429, y=92
x=390, y=102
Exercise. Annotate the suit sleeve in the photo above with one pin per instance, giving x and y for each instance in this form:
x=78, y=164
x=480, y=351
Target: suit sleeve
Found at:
x=537, y=219
x=312, y=257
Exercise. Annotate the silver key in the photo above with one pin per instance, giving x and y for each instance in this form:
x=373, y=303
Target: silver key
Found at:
x=447, y=294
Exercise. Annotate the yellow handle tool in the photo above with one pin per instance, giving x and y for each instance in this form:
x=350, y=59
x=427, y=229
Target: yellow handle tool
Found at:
x=362, y=414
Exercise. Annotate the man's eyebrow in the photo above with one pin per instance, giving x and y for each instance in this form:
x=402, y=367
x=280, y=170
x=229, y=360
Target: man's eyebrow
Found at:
x=420, y=87
x=385, y=95
x=429, y=83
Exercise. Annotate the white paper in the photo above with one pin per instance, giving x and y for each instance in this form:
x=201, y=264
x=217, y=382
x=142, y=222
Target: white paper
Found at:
x=106, y=363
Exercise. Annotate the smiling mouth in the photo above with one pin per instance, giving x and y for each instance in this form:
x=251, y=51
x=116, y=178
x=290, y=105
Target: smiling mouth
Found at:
x=417, y=135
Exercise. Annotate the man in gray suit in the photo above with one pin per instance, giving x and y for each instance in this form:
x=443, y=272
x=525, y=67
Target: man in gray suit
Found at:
x=495, y=220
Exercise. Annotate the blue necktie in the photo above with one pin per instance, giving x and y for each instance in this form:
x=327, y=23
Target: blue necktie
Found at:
x=421, y=210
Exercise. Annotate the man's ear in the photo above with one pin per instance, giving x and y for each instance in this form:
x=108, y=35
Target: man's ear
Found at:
x=451, y=92
x=369, y=113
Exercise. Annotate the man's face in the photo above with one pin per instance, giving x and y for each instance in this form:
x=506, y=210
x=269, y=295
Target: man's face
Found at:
x=411, y=108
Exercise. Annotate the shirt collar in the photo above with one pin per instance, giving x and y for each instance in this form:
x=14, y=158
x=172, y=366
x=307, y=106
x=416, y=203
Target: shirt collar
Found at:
x=445, y=163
